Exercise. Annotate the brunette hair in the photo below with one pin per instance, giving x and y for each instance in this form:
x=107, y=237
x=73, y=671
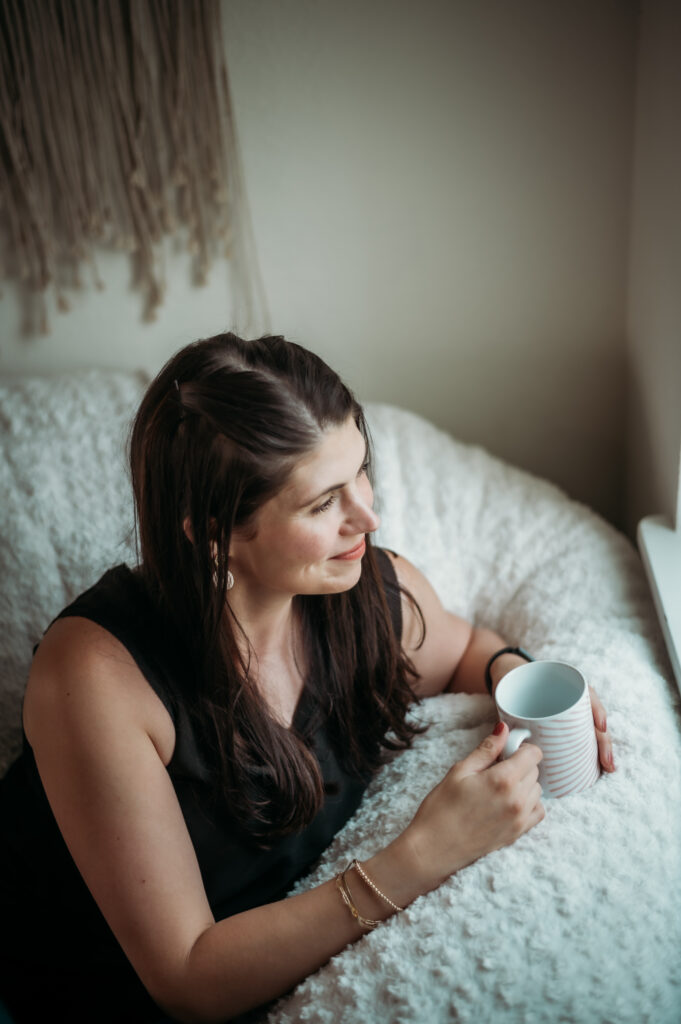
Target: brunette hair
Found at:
x=217, y=434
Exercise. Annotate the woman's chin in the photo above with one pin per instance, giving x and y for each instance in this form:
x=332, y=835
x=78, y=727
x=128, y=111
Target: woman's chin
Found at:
x=344, y=576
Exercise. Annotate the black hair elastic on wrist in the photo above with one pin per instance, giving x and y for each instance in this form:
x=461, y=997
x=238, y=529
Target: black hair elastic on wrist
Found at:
x=520, y=651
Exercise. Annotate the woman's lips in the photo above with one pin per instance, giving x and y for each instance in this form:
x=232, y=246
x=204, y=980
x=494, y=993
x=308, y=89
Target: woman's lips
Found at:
x=353, y=553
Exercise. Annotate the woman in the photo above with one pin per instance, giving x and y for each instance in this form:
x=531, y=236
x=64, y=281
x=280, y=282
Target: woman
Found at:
x=199, y=728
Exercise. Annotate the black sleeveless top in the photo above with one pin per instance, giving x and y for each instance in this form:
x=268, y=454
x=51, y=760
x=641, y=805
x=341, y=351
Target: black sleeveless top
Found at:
x=58, y=956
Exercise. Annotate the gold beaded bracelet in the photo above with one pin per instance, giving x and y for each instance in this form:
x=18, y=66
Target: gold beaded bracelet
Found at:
x=365, y=922
x=362, y=874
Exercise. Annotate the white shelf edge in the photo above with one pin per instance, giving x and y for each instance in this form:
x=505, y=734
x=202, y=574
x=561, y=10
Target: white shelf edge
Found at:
x=660, y=547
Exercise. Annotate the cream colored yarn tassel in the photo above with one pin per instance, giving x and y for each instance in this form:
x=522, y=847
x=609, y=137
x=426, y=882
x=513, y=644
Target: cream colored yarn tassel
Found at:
x=117, y=128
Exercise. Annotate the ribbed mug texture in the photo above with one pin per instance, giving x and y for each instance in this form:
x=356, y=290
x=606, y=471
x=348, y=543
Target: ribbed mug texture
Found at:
x=568, y=742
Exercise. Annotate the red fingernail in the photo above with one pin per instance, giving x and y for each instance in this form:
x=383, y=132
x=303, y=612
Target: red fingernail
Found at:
x=498, y=729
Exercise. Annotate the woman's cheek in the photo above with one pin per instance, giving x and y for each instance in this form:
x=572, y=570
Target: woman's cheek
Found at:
x=311, y=543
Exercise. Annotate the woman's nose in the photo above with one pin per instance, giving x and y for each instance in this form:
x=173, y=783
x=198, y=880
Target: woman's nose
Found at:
x=362, y=518
x=373, y=521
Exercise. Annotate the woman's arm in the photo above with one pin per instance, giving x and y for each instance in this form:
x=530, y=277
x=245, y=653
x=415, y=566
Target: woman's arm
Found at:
x=101, y=738
x=454, y=654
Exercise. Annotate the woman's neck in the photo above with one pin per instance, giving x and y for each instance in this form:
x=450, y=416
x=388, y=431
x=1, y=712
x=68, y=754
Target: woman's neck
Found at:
x=268, y=622
x=271, y=646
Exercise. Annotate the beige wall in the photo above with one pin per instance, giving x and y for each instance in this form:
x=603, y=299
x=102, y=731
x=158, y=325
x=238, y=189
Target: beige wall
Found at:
x=440, y=196
x=655, y=290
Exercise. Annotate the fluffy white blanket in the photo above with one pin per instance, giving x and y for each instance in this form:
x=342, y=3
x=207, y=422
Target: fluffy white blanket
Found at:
x=580, y=920
x=66, y=509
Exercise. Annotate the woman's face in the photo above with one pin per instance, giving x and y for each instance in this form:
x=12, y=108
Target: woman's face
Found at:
x=309, y=538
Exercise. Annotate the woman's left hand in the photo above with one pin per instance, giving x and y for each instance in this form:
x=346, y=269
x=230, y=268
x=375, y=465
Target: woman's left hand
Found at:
x=602, y=734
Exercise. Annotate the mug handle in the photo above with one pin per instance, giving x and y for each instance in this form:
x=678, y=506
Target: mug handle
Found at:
x=515, y=738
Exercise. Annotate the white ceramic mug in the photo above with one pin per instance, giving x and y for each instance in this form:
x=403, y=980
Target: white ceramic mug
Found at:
x=547, y=702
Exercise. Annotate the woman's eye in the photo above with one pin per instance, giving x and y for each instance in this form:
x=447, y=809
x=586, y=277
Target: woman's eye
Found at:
x=364, y=468
x=323, y=507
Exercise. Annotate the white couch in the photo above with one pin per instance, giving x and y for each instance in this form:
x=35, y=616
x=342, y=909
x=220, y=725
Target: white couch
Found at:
x=580, y=920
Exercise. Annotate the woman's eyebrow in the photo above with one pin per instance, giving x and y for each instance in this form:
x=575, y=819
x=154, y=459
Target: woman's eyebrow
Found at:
x=334, y=487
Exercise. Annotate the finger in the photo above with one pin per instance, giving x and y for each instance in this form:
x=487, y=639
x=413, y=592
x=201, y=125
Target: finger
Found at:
x=528, y=799
x=605, y=755
x=537, y=814
x=485, y=754
x=520, y=770
x=600, y=717
x=534, y=796
x=529, y=793
x=526, y=757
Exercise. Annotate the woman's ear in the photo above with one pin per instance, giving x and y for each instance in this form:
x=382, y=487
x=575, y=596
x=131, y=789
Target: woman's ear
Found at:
x=188, y=529
x=189, y=534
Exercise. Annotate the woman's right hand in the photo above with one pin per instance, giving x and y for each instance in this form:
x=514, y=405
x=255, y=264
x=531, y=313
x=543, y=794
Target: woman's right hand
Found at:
x=479, y=806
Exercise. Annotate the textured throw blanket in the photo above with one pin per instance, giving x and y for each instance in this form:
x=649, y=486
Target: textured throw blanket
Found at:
x=580, y=920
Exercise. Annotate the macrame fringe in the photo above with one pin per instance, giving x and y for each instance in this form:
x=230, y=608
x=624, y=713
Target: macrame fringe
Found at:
x=116, y=130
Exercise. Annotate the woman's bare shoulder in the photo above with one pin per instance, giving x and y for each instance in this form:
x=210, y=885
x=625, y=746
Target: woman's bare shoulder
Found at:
x=81, y=670
x=76, y=640
x=434, y=638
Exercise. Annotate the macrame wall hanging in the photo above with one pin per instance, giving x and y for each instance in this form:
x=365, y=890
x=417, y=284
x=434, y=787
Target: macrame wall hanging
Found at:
x=116, y=130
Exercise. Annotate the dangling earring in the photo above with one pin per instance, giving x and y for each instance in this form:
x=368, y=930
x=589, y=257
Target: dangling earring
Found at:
x=230, y=579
